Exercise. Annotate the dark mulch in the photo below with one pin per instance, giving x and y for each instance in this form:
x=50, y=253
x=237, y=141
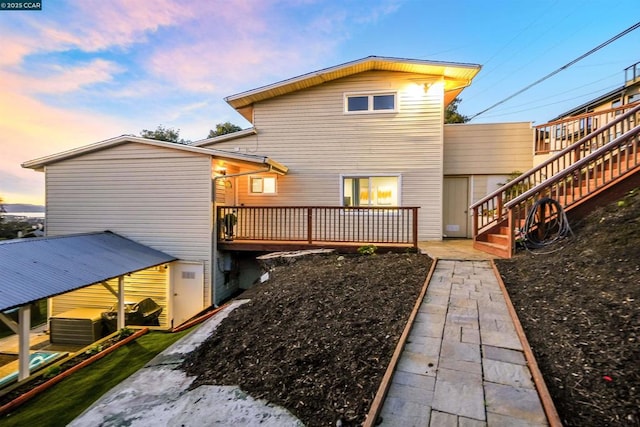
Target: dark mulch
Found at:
x=318, y=336
x=580, y=310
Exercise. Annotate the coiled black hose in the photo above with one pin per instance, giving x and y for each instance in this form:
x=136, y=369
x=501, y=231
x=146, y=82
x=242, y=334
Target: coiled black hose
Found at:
x=546, y=224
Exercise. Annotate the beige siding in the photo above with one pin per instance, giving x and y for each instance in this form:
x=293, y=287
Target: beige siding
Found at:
x=156, y=196
x=151, y=283
x=482, y=185
x=309, y=132
x=488, y=149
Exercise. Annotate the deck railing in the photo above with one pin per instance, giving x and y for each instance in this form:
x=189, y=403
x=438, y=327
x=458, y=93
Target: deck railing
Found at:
x=555, y=136
x=490, y=211
x=393, y=225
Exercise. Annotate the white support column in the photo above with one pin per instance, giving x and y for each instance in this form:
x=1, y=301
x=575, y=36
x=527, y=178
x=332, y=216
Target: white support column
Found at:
x=24, y=326
x=120, y=302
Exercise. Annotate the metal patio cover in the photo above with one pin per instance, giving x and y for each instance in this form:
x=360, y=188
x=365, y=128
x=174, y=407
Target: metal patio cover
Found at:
x=36, y=268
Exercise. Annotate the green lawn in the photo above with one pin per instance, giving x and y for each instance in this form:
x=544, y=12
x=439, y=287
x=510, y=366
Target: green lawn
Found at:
x=60, y=404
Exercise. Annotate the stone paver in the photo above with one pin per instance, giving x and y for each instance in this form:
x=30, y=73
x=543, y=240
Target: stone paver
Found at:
x=463, y=363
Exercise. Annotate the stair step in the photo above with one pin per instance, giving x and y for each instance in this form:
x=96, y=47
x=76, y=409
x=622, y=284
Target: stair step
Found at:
x=500, y=239
x=492, y=248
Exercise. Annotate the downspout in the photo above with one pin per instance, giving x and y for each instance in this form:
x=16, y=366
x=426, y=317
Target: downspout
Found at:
x=214, y=231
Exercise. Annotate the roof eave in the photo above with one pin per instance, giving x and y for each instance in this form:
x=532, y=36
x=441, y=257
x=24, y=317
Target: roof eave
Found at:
x=40, y=163
x=446, y=69
x=225, y=137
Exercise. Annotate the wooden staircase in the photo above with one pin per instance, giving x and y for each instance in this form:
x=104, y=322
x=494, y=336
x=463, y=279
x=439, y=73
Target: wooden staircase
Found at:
x=596, y=169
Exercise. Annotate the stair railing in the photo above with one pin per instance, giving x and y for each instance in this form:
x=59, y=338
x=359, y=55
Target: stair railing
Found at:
x=489, y=212
x=587, y=176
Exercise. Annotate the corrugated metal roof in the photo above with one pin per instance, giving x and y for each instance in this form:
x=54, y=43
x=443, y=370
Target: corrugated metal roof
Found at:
x=32, y=269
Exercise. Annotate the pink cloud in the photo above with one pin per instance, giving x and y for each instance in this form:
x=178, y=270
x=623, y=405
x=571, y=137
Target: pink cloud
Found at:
x=30, y=129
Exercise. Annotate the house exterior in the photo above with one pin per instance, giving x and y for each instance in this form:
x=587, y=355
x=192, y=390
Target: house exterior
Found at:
x=570, y=126
x=401, y=150
x=365, y=139
x=156, y=193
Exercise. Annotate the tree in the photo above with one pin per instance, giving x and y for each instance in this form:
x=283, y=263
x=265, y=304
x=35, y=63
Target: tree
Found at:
x=163, y=134
x=223, y=129
x=451, y=114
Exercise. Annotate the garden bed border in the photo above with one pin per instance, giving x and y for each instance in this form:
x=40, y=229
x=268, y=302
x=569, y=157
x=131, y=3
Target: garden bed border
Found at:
x=62, y=375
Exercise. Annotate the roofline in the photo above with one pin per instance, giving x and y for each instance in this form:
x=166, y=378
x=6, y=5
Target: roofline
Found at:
x=97, y=146
x=598, y=100
x=235, y=100
x=40, y=163
x=225, y=137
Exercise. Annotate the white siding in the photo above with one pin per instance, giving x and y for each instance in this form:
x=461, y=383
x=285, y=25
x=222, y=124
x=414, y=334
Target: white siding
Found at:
x=151, y=283
x=309, y=132
x=156, y=196
x=488, y=149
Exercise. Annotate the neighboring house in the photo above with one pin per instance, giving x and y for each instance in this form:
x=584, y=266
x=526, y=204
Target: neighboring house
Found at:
x=570, y=126
x=357, y=145
x=628, y=93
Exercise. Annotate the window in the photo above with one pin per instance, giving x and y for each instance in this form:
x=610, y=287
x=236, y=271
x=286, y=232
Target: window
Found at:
x=370, y=191
x=368, y=103
x=262, y=184
x=616, y=104
x=633, y=98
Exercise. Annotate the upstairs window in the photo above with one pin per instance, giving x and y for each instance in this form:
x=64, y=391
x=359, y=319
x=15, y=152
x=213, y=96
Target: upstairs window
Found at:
x=262, y=184
x=370, y=103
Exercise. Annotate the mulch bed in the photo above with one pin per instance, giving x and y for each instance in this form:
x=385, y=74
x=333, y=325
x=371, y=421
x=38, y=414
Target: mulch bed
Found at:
x=579, y=307
x=318, y=336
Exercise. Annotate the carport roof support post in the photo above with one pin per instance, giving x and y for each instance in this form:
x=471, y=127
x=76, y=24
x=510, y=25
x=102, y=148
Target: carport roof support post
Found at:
x=24, y=324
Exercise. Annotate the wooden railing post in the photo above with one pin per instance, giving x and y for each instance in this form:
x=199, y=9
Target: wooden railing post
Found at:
x=474, y=221
x=511, y=241
x=309, y=225
x=415, y=227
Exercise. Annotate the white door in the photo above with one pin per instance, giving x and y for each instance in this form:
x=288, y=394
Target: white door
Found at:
x=187, y=290
x=456, y=205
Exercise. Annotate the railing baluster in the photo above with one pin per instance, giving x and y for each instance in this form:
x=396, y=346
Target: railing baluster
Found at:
x=376, y=225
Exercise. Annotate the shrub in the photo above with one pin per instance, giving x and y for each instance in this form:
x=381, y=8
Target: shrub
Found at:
x=367, y=250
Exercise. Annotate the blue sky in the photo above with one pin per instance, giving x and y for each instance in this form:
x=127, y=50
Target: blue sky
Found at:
x=78, y=72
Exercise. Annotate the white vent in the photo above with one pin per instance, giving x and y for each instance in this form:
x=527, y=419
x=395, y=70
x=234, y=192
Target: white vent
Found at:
x=188, y=274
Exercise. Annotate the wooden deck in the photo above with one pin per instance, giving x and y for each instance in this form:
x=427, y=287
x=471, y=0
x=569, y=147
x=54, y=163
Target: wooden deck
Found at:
x=344, y=228
x=284, y=245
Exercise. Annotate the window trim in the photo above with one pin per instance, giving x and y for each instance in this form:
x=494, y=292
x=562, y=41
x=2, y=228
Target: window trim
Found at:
x=250, y=179
x=370, y=95
x=364, y=175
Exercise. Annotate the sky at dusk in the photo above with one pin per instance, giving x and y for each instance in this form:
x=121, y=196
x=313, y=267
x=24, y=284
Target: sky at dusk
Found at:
x=78, y=72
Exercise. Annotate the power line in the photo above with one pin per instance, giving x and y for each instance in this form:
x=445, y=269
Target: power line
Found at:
x=595, y=49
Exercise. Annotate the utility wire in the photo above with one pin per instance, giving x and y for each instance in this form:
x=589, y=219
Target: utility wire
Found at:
x=595, y=49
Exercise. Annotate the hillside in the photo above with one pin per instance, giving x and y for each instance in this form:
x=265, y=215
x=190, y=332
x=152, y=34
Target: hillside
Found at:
x=21, y=207
x=579, y=307
x=318, y=336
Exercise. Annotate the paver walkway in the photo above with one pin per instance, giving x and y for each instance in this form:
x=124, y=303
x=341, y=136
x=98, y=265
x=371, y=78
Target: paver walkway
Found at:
x=462, y=364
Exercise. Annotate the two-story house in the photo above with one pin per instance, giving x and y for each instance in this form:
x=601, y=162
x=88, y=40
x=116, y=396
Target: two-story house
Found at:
x=348, y=155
